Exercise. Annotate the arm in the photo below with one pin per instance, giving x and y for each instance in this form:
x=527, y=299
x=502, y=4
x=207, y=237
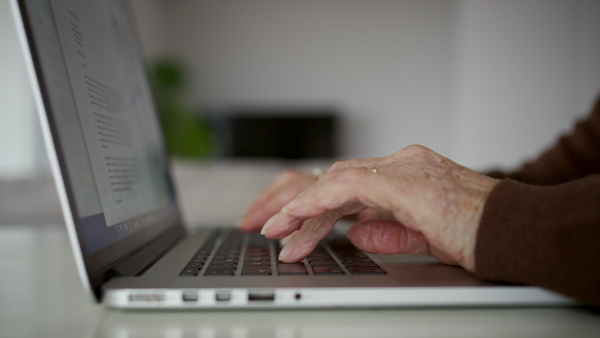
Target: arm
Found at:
x=545, y=236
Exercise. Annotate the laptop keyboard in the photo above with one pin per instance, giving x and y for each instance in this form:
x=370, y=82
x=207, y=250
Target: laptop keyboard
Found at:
x=234, y=253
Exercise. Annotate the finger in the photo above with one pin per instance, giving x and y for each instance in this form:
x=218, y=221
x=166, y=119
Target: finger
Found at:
x=308, y=237
x=350, y=192
x=280, y=226
x=387, y=237
x=287, y=186
x=287, y=239
x=350, y=187
x=267, y=201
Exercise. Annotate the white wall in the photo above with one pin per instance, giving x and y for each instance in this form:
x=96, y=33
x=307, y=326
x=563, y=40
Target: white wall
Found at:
x=387, y=65
x=483, y=81
x=487, y=82
x=526, y=70
x=21, y=148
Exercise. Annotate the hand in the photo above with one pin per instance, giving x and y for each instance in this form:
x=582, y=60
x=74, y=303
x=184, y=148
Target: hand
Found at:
x=436, y=205
x=281, y=191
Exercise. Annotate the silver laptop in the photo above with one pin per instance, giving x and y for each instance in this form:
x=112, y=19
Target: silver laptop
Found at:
x=131, y=248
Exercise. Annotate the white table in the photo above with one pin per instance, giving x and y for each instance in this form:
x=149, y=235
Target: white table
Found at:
x=41, y=296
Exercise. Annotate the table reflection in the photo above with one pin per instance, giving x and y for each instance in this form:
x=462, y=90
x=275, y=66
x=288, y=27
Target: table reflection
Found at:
x=473, y=322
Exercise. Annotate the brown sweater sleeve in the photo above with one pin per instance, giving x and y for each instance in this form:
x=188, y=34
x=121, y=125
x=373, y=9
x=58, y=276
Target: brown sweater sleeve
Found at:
x=544, y=236
x=541, y=224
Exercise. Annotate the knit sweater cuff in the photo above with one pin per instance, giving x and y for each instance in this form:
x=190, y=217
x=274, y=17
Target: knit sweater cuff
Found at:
x=543, y=236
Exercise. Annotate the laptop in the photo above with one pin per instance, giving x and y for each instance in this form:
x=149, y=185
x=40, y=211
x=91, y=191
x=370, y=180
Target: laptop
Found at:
x=131, y=249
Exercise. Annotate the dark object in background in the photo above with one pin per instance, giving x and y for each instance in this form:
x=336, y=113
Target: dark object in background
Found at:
x=289, y=133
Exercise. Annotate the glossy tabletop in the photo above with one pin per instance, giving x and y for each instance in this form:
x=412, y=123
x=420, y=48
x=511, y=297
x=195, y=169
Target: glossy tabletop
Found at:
x=41, y=296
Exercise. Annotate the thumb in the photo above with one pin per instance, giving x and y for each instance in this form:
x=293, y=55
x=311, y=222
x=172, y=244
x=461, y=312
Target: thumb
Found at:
x=387, y=237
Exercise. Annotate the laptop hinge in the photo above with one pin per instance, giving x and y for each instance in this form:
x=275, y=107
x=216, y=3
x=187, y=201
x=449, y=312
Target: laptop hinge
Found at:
x=144, y=258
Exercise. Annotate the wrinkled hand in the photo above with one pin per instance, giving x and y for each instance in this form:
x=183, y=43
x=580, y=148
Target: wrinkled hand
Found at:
x=436, y=204
x=282, y=190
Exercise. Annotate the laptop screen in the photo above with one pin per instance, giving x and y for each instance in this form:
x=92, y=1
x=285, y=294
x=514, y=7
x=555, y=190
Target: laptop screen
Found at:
x=123, y=144
x=104, y=125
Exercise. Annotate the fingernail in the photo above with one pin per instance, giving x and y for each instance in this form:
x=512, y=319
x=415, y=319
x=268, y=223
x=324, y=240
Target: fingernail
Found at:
x=285, y=210
x=267, y=227
x=283, y=254
x=285, y=240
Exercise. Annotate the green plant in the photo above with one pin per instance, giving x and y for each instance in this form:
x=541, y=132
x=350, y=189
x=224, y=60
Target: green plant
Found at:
x=185, y=132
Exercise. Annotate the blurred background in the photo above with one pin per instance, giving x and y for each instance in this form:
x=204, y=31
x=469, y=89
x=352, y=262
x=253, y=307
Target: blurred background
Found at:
x=488, y=83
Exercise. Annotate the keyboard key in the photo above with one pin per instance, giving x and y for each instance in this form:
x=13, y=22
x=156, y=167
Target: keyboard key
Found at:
x=367, y=271
x=256, y=270
x=213, y=266
x=227, y=255
x=224, y=260
x=257, y=258
x=257, y=253
x=328, y=270
x=284, y=263
x=356, y=259
x=189, y=272
x=319, y=254
x=291, y=269
x=219, y=272
x=257, y=263
x=194, y=266
x=352, y=253
x=361, y=265
x=324, y=263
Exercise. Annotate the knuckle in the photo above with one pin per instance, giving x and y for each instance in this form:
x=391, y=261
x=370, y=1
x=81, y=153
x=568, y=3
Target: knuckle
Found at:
x=416, y=149
x=340, y=165
x=419, y=152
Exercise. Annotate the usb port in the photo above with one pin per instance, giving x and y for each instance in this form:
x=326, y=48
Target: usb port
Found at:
x=189, y=297
x=223, y=296
x=261, y=296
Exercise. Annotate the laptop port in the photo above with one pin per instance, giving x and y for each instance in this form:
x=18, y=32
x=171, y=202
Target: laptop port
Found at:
x=146, y=298
x=223, y=296
x=261, y=296
x=189, y=297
